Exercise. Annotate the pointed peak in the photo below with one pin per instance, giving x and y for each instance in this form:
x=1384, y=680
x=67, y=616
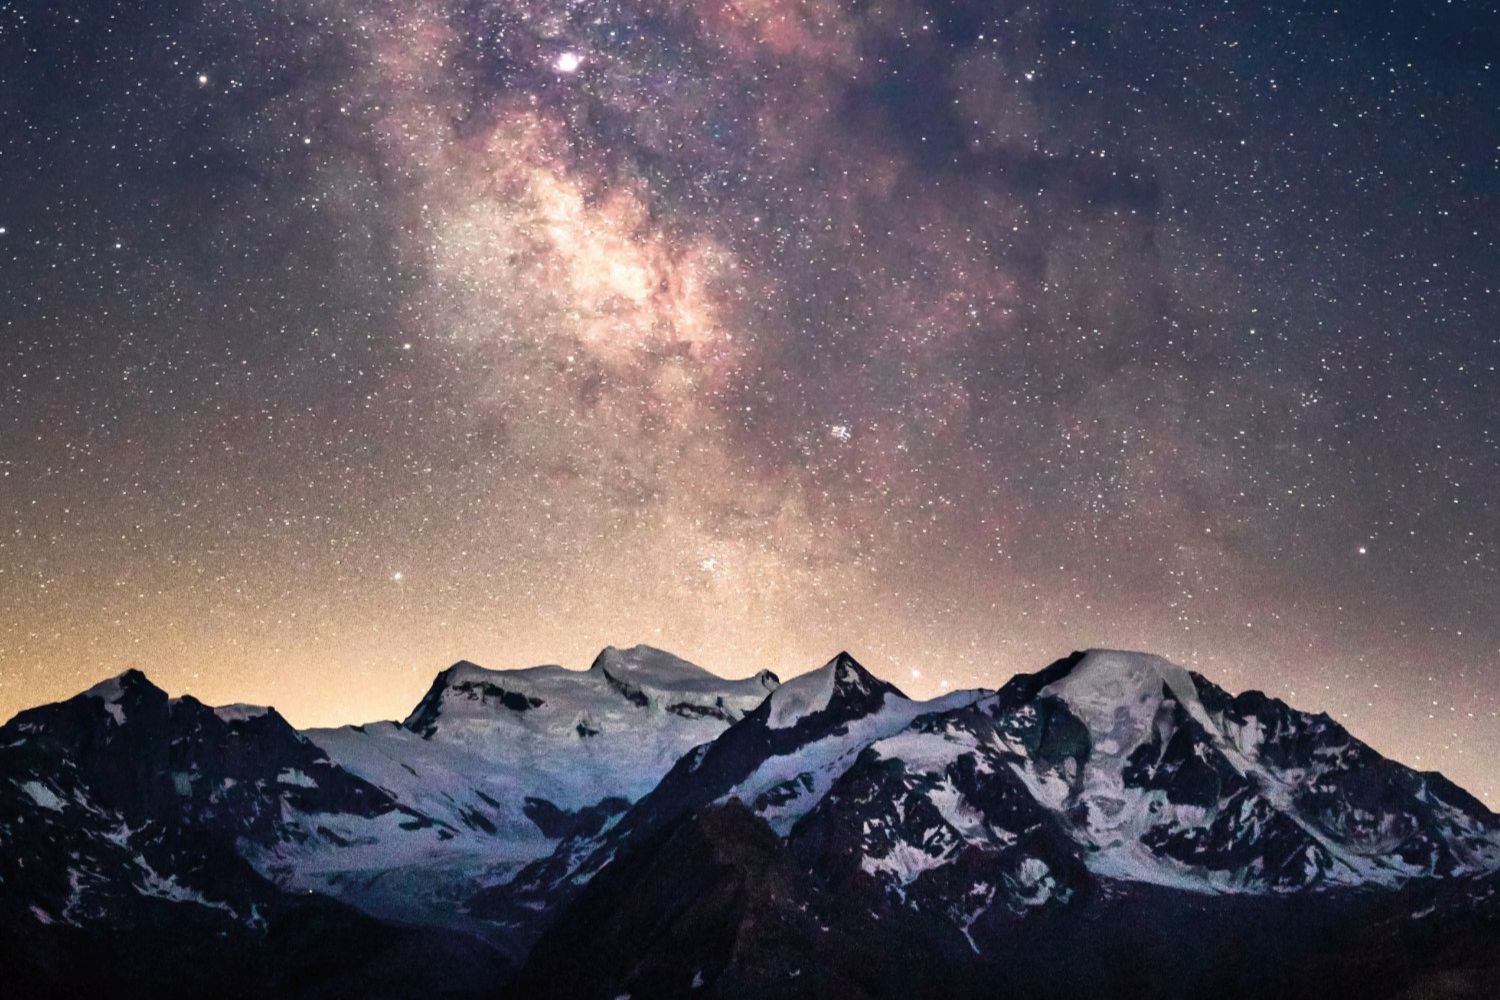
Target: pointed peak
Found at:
x=114, y=688
x=852, y=677
x=131, y=686
x=841, y=682
x=845, y=659
x=615, y=656
x=848, y=670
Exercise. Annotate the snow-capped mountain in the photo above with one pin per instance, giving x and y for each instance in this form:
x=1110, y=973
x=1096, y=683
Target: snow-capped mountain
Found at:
x=983, y=811
x=1245, y=792
x=115, y=782
x=657, y=814
x=1159, y=776
x=129, y=823
x=508, y=763
x=1111, y=768
x=780, y=759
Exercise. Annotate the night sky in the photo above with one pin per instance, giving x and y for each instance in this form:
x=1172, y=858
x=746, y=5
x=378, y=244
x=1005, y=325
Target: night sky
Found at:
x=340, y=339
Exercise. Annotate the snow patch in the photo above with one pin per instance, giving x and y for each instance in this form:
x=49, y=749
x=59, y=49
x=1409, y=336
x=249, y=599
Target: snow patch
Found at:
x=110, y=692
x=802, y=696
x=42, y=795
x=158, y=886
x=1116, y=695
x=826, y=759
x=905, y=862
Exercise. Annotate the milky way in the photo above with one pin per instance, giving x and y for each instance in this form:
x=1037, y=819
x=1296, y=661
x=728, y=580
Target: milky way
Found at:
x=343, y=339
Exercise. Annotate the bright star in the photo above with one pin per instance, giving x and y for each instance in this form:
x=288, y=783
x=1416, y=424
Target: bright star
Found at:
x=567, y=62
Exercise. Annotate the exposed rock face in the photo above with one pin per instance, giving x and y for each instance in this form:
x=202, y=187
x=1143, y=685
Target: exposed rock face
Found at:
x=714, y=904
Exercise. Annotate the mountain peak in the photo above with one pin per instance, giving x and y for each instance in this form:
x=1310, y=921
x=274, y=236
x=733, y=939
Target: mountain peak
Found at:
x=1102, y=663
x=644, y=659
x=130, y=686
x=1098, y=665
x=1111, y=673
x=1106, y=687
x=846, y=659
x=851, y=675
x=112, y=686
x=461, y=668
x=842, y=681
x=642, y=669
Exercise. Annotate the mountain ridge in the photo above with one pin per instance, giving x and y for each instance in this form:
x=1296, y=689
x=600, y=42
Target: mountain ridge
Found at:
x=1107, y=782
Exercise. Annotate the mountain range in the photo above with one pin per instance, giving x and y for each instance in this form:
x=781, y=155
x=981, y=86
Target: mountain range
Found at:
x=1112, y=825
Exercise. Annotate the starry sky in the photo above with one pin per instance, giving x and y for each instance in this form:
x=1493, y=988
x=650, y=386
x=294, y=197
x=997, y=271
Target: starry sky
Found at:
x=340, y=339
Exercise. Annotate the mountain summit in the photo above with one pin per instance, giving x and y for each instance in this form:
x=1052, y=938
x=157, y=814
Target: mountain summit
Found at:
x=841, y=687
x=1166, y=778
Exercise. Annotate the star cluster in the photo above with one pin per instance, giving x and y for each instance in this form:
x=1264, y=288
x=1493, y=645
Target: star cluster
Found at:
x=342, y=338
